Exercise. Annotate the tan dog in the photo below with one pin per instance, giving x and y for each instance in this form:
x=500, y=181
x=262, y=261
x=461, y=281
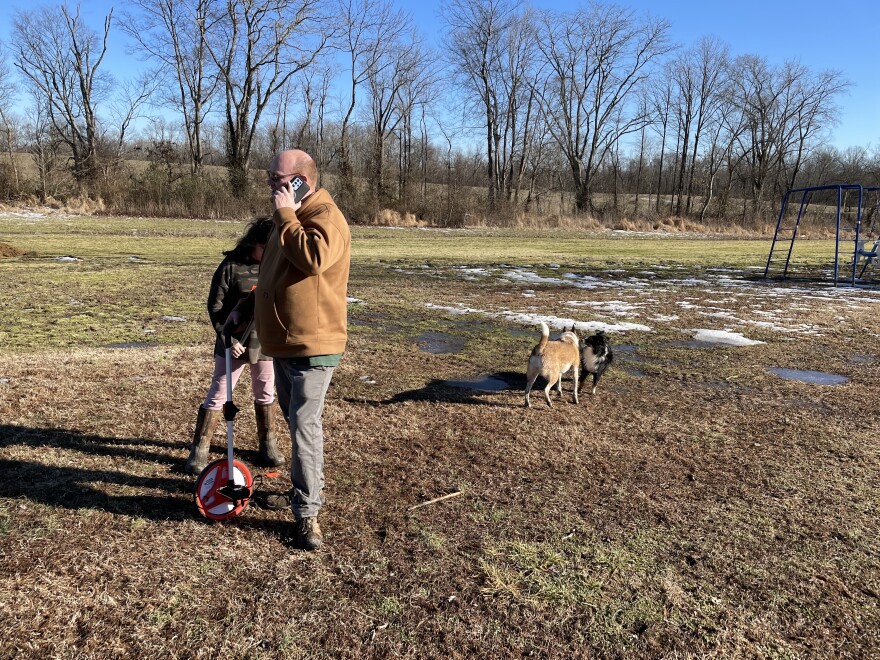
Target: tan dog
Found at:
x=552, y=359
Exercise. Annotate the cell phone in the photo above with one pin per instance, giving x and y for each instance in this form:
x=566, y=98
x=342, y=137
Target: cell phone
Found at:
x=299, y=188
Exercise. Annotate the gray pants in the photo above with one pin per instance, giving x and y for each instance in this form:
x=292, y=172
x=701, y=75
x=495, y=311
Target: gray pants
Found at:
x=301, y=392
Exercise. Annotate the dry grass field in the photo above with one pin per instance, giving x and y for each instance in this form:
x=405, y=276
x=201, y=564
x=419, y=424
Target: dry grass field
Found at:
x=699, y=505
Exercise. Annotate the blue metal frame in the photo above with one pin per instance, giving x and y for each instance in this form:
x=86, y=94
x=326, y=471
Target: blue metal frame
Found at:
x=805, y=193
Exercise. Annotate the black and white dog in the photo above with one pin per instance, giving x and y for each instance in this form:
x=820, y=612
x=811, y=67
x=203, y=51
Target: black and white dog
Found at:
x=596, y=355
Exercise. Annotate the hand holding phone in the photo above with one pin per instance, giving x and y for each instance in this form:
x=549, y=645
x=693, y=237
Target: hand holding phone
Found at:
x=290, y=195
x=299, y=188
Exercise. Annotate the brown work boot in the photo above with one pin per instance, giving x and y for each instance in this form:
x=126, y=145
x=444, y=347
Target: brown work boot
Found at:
x=270, y=455
x=308, y=533
x=206, y=423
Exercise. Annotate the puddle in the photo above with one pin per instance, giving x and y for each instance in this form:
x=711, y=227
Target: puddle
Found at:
x=132, y=344
x=812, y=377
x=625, y=348
x=480, y=383
x=439, y=342
x=632, y=371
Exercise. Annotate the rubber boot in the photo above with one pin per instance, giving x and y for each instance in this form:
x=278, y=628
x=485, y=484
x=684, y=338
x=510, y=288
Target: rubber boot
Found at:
x=206, y=423
x=270, y=455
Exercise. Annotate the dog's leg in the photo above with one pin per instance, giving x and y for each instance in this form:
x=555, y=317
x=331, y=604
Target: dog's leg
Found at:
x=595, y=382
x=575, y=383
x=547, y=389
x=531, y=376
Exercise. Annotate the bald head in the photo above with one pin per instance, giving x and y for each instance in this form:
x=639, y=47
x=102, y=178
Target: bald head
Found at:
x=288, y=163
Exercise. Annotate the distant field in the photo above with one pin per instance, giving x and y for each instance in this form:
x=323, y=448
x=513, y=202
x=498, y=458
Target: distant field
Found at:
x=700, y=505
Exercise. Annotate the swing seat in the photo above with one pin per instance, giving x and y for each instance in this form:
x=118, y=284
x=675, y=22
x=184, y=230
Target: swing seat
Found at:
x=869, y=254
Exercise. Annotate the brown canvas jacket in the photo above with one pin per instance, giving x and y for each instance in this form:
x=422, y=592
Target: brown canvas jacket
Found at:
x=300, y=300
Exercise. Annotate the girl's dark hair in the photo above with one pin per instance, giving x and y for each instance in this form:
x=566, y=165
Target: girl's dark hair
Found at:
x=257, y=233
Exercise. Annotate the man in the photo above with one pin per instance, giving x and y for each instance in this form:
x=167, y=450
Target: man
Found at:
x=300, y=310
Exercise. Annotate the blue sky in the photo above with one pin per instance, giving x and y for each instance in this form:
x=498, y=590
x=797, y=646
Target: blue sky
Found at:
x=820, y=35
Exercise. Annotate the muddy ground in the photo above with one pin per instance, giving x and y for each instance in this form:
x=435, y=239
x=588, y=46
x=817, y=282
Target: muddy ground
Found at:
x=698, y=505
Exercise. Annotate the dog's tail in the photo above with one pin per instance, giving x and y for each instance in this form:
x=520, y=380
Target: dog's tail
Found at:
x=545, y=337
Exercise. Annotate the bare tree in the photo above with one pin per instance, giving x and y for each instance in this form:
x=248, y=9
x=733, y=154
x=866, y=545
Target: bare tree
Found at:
x=783, y=109
x=814, y=111
x=391, y=87
x=61, y=58
x=596, y=58
x=699, y=78
x=521, y=106
x=7, y=124
x=257, y=46
x=173, y=33
x=490, y=44
x=368, y=28
x=44, y=145
x=419, y=91
x=316, y=91
x=124, y=109
x=659, y=109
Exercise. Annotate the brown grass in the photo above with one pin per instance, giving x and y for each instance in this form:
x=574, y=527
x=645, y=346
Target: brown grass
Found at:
x=698, y=506
x=7, y=250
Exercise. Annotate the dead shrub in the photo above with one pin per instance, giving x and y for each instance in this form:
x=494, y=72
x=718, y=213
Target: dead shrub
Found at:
x=392, y=218
x=7, y=250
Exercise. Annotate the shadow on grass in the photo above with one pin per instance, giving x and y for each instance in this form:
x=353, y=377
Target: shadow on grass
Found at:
x=72, y=487
x=462, y=392
x=89, y=444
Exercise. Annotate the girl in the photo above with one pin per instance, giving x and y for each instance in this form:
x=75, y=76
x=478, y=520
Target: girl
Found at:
x=233, y=280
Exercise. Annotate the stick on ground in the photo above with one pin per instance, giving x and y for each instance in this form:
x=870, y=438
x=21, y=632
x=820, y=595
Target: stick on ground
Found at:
x=436, y=499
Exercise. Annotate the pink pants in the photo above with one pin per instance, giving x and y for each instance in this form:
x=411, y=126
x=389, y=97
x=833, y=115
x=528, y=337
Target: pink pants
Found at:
x=262, y=382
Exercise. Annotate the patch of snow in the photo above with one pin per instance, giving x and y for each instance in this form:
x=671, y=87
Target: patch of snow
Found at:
x=584, y=326
x=461, y=309
x=614, y=307
x=175, y=319
x=32, y=215
x=719, y=315
x=532, y=278
x=724, y=337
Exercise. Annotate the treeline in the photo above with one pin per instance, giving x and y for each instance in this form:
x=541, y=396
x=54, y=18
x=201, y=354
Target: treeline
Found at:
x=592, y=113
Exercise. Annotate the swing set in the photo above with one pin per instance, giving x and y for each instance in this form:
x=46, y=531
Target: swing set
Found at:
x=857, y=230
